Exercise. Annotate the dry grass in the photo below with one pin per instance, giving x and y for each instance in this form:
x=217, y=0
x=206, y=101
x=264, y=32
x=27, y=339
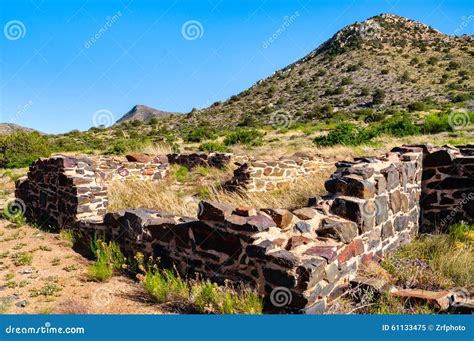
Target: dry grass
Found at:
x=205, y=183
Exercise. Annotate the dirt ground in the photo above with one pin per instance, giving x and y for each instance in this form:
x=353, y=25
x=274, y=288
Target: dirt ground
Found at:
x=41, y=274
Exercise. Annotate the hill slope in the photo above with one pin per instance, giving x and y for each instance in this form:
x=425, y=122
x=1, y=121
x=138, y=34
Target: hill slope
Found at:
x=143, y=113
x=385, y=61
x=9, y=128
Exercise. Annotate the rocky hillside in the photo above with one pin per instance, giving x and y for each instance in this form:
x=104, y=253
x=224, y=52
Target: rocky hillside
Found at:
x=385, y=61
x=9, y=128
x=143, y=113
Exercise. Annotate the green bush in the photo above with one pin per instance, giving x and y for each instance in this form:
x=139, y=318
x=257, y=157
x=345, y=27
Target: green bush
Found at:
x=249, y=137
x=181, y=174
x=399, y=126
x=212, y=147
x=378, y=96
x=122, y=146
x=109, y=260
x=21, y=149
x=436, y=123
x=346, y=134
x=416, y=106
x=200, y=134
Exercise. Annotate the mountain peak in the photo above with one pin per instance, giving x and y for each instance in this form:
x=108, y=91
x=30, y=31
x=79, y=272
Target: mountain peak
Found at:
x=144, y=113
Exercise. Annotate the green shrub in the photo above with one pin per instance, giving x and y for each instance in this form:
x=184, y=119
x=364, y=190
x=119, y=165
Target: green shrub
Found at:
x=21, y=149
x=461, y=98
x=378, y=96
x=346, y=134
x=212, y=147
x=200, y=134
x=436, y=123
x=399, y=126
x=165, y=285
x=181, y=174
x=109, y=260
x=249, y=137
x=122, y=146
x=202, y=296
x=416, y=106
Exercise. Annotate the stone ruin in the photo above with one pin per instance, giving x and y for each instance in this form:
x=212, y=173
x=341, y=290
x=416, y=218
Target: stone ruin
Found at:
x=298, y=260
x=263, y=176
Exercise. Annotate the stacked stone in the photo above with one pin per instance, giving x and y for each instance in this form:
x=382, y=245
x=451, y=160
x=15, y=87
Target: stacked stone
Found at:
x=216, y=160
x=59, y=191
x=133, y=166
x=448, y=187
x=307, y=256
x=262, y=176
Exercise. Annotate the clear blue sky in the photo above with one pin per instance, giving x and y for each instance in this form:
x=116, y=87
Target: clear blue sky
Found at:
x=54, y=78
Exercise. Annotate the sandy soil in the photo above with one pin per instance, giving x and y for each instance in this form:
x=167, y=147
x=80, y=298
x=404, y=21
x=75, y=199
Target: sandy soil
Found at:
x=56, y=281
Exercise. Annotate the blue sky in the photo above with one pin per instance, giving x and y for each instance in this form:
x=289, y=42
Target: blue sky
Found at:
x=63, y=61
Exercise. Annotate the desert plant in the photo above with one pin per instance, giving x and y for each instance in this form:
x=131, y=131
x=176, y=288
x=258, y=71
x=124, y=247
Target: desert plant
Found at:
x=20, y=149
x=249, y=137
x=212, y=147
x=346, y=134
x=109, y=260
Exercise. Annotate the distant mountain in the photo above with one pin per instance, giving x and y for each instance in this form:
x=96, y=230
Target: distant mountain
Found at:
x=144, y=113
x=9, y=128
x=385, y=61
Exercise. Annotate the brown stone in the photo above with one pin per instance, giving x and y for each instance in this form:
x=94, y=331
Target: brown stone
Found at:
x=282, y=217
x=213, y=211
x=339, y=229
x=142, y=158
x=439, y=299
x=305, y=213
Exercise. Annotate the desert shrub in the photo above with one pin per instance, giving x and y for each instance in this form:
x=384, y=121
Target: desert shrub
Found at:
x=378, y=96
x=416, y=106
x=109, y=260
x=399, y=126
x=200, y=134
x=165, y=285
x=202, y=296
x=122, y=146
x=346, y=134
x=21, y=149
x=212, y=147
x=249, y=137
x=436, y=123
x=461, y=98
x=181, y=174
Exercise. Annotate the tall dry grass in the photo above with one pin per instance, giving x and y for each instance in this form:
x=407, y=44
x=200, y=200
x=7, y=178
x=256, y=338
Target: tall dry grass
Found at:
x=183, y=198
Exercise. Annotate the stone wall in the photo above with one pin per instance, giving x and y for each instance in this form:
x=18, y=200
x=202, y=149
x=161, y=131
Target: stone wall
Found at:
x=217, y=160
x=298, y=260
x=448, y=186
x=262, y=176
x=62, y=190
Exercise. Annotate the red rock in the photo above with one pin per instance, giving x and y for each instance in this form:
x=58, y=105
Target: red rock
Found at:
x=353, y=249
